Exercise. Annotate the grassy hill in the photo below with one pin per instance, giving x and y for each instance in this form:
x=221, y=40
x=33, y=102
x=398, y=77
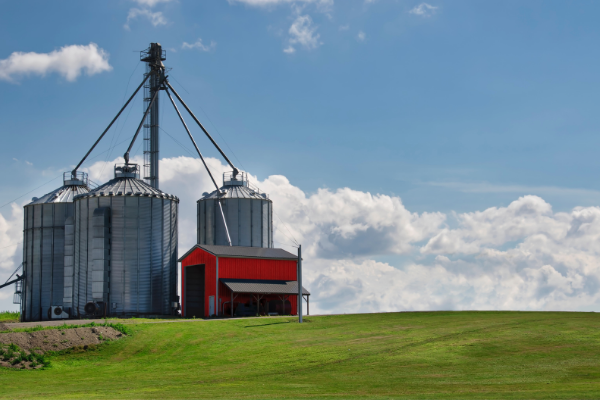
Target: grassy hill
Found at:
x=401, y=355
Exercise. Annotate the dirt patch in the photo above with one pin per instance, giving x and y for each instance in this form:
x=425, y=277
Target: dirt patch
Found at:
x=4, y=327
x=11, y=356
x=60, y=339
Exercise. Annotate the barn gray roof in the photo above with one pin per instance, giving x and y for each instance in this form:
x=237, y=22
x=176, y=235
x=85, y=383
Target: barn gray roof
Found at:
x=242, y=252
x=257, y=286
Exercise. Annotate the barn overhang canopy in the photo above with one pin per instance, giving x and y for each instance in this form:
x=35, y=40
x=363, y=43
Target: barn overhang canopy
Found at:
x=258, y=286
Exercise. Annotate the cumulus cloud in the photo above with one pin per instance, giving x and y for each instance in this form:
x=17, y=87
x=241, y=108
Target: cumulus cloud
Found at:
x=11, y=249
x=361, y=37
x=303, y=33
x=199, y=45
x=69, y=62
x=346, y=223
x=11, y=228
x=322, y=4
x=523, y=218
x=156, y=18
x=523, y=256
x=151, y=3
x=423, y=10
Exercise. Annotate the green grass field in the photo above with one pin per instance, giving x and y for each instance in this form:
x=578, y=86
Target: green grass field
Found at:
x=434, y=355
x=9, y=316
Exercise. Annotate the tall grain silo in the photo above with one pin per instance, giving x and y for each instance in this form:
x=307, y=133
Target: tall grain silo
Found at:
x=47, y=246
x=248, y=212
x=125, y=248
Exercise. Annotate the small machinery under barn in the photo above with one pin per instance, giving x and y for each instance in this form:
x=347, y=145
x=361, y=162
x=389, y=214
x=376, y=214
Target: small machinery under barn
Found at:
x=237, y=281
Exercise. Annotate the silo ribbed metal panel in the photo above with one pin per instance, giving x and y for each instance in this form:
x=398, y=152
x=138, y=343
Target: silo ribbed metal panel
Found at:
x=248, y=215
x=173, y=249
x=117, y=261
x=143, y=247
x=44, y=251
x=145, y=253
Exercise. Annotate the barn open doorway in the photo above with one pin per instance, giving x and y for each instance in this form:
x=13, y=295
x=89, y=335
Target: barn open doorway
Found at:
x=193, y=301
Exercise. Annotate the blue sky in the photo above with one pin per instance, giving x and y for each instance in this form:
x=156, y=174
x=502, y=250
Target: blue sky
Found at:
x=451, y=106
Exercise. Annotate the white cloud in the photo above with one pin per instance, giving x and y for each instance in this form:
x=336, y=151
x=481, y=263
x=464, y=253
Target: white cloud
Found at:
x=303, y=33
x=361, y=36
x=322, y=4
x=11, y=233
x=525, y=217
x=520, y=257
x=199, y=45
x=11, y=250
x=344, y=27
x=151, y=3
x=424, y=10
x=156, y=18
x=346, y=223
x=69, y=62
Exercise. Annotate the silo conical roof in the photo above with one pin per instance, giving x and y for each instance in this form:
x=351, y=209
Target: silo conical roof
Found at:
x=127, y=184
x=67, y=192
x=63, y=194
x=236, y=188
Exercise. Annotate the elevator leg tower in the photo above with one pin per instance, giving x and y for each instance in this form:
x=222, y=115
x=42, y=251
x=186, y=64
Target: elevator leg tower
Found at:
x=153, y=56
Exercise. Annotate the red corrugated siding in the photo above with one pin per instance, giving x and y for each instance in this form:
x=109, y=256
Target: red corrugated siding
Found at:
x=236, y=268
x=198, y=257
x=251, y=268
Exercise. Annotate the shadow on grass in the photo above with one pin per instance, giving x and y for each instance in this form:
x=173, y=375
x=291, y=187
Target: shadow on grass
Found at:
x=273, y=323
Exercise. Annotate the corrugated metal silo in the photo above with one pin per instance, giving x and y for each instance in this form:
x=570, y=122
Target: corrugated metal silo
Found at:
x=126, y=247
x=248, y=212
x=47, y=246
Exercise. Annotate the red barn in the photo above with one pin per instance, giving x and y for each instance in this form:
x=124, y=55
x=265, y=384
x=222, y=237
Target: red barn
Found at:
x=239, y=281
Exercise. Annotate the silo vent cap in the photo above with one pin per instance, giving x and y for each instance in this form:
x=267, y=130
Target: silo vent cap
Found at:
x=77, y=179
x=127, y=171
x=231, y=179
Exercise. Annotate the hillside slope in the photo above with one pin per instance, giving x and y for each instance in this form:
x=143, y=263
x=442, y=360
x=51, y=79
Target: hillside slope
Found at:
x=399, y=355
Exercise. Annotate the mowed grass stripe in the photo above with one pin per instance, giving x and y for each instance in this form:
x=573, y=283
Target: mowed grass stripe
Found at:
x=396, y=355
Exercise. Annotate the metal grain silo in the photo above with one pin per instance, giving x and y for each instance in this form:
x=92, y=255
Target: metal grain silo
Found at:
x=248, y=212
x=125, y=248
x=47, y=245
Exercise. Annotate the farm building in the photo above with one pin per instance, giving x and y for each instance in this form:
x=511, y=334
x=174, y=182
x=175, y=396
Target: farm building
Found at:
x=109, y=249
x=255, y=280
